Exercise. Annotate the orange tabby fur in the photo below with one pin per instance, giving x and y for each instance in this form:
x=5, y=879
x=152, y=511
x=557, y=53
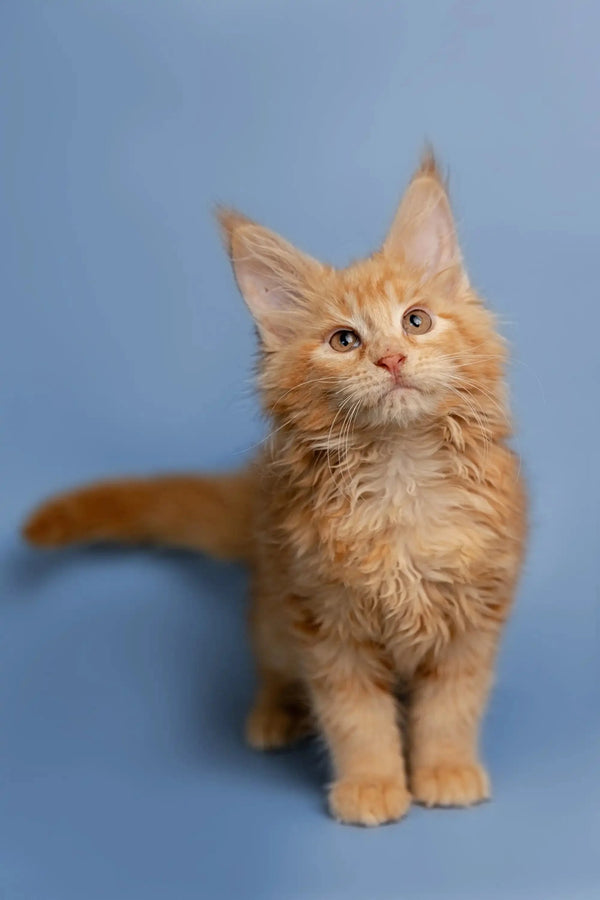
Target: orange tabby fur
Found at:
x=384, y=524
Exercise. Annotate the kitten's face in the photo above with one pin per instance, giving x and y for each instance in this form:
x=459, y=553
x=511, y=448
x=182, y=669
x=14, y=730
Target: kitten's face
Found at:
x=382, y=348
x=387, y=341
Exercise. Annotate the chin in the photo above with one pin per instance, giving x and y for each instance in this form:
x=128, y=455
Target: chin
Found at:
x=402, y=407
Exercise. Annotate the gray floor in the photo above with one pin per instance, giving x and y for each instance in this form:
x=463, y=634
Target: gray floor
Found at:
x=125, y=676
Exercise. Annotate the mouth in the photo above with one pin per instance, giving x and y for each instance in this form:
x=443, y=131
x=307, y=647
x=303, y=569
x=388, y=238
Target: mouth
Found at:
x=402, y=385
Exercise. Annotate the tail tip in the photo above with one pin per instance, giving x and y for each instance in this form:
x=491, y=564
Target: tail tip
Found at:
x=46, y=527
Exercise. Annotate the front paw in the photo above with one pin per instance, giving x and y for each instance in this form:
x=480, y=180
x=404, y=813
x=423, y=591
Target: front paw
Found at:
x=368, y=801
x=450, y=785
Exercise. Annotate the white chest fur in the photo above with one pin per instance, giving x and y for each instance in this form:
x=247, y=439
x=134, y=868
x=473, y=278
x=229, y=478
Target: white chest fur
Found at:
x=405, y=544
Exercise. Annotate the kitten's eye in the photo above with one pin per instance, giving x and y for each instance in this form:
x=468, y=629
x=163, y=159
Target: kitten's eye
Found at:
x=417, y=321
x=344, y=340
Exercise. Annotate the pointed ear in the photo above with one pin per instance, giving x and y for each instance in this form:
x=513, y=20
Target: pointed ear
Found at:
x=423, y=233
x=273, y=277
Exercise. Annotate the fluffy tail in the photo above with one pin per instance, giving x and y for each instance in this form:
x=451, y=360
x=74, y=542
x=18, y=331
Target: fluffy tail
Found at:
x=208, y=513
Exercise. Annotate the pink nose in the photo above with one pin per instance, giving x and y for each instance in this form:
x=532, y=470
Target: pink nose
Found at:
x=392, y=363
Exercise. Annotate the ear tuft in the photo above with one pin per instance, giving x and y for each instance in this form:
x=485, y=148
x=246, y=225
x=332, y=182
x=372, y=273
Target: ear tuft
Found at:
x=229, y=219
x=428, y=164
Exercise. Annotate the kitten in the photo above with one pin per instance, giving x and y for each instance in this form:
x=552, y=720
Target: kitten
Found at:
x=384, y=521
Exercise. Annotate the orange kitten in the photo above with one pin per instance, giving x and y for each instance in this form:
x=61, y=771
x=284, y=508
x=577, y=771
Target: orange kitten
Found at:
x=384, y=523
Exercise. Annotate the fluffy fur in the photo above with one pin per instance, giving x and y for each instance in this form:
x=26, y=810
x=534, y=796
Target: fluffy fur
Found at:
x=384, y=520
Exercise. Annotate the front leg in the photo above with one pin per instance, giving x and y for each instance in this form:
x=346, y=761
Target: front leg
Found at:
x=447, y=701
x=357, y=713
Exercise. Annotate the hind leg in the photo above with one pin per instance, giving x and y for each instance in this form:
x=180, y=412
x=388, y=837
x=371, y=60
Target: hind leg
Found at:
x=280, y=714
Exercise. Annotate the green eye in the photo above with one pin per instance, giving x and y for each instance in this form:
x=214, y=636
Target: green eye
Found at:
x=344, y=340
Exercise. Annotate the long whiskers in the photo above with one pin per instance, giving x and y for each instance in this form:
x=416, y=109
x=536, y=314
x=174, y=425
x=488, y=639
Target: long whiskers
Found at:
x=347, y=430
x=485, y=434
x=466, y=383
x=328, y=443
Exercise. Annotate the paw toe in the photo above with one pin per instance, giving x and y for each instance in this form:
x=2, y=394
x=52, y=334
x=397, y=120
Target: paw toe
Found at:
x=450, y=785
x=368, y=801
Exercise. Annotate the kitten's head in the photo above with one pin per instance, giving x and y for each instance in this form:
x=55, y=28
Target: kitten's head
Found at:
x=389, y=340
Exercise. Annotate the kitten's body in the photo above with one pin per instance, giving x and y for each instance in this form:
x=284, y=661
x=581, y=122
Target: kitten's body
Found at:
x=384, y=520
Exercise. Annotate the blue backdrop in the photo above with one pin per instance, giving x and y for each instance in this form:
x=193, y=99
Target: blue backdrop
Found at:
x=124, y=348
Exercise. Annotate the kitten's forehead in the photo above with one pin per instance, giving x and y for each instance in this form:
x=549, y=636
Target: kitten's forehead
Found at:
x=374, y=294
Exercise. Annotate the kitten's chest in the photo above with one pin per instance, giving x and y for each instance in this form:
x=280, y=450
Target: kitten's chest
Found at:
x=395, y=556
x=405, y=513
x=407, y=567
x=405, y=549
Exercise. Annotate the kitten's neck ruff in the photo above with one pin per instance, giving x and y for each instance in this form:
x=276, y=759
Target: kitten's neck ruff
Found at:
x=454, y=445
x=458, y=423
